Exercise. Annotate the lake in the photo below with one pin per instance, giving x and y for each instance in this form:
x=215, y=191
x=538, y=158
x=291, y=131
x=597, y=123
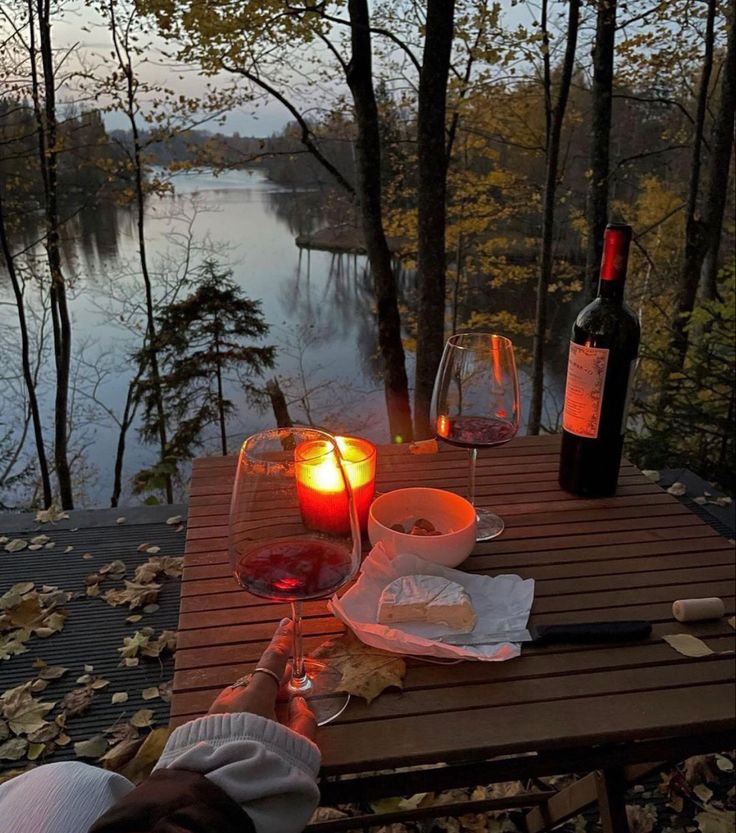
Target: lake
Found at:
x=318, y=307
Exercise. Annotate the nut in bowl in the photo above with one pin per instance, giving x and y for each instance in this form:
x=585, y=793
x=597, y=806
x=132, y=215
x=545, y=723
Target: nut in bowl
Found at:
x=437, y=526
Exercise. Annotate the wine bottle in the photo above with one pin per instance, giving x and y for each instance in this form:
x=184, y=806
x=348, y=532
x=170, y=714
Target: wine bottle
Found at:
x=604, y=349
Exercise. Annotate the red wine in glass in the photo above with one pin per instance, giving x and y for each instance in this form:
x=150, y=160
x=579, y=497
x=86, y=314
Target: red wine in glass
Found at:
x=475, y=432
x=294, y=569
x=475, y=404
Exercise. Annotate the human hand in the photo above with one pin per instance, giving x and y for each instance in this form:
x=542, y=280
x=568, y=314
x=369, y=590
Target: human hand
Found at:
x=259, y=695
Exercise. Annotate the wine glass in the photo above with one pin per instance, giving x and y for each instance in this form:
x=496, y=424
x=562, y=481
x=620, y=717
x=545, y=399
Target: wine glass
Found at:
x=294, y=535
x=475, y=403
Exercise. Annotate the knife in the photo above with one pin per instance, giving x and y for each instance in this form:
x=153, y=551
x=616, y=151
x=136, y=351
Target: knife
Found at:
x=545, y=634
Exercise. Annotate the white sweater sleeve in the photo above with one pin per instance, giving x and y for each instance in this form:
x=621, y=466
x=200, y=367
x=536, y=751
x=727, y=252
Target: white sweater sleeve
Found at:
x=267, y=768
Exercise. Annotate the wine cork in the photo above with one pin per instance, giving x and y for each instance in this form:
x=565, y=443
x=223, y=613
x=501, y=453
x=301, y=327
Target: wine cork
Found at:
x=694, y=610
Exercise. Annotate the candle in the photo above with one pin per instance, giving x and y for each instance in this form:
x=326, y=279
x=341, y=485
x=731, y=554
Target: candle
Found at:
x=321, y=487
x=359, y=462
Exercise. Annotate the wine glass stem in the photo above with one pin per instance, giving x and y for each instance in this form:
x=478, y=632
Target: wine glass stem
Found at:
x=471, y=484
x=299, y=679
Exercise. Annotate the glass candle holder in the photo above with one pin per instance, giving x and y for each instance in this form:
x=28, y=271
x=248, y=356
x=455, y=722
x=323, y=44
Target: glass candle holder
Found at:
x=322, y=498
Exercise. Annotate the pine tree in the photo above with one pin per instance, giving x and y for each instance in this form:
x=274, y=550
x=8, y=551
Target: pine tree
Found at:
x=199, y=339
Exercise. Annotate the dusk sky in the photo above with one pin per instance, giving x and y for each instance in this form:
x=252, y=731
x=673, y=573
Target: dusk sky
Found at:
x=84, y=30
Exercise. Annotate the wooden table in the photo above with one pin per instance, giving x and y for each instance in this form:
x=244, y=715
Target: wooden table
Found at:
x=611, y=711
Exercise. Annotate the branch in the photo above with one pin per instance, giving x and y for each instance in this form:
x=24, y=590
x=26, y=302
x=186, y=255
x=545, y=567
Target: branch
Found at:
x=307, y=134
x=660, y=221
x=376, y=30
x=645, y=154
x=656, y=100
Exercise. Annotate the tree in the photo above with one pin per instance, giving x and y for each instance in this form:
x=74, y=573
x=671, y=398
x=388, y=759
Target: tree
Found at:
x=720, y=161
x=432, y=161
x=25, y=346
x=199, y=340
x=554, y=116
x=43, y=92
x=359, y=76
x=600, y=140
x=689, y=277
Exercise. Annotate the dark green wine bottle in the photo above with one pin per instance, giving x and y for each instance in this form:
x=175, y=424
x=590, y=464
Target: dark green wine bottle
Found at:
x=604, y=350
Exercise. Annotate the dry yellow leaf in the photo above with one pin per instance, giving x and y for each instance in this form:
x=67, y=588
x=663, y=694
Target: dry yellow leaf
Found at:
x=34, y=750
x=52, y=672
x=26, y=613
x=16, y=545
x=688, y=644
x=13, y=749
x=14, y=643
x=92, y=748
x=732, y=622
x=142, y=718
x=26, y=716
x=150, y=693
x=134, y=595
x=40, y=539
x=50, y=515
x=366, y=671
x=118, y=755
x=119, y=697
x=712, y=820
x=173, y=520
x=145, y=759
x=19, y=589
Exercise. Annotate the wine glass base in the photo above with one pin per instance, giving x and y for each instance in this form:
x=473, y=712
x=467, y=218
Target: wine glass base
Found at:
x=489, y=525
x=319, y=691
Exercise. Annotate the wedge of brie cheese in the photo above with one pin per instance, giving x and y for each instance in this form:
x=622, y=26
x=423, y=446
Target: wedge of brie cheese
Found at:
x=426, y=599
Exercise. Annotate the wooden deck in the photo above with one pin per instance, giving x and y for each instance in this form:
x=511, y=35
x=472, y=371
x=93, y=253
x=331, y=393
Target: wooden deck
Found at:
x=93, y=630
x=562, y=707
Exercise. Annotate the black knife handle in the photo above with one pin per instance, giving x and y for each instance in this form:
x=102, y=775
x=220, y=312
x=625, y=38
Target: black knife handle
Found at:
x=593, y=632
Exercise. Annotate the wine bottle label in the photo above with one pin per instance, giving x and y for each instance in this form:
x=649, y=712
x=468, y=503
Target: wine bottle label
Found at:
x=629, y=393
x=586, y=374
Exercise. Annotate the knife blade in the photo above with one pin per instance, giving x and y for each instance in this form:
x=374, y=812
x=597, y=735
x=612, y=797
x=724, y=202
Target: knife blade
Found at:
x=546, y=634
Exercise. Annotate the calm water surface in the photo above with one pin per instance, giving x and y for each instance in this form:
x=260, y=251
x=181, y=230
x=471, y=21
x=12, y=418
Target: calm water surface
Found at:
x=318, y=307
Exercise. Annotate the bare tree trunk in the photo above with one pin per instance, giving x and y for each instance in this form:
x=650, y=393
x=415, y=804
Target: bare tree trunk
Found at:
x=278, y=403
x=694, y=230
x=554, y=119
x=59, y=307
x=131, y=405
x=220, y=395
x=359, y=76
x=602, y=94
x=124, y=59
x=431, y=199
x=25, y=350
x=720, y=161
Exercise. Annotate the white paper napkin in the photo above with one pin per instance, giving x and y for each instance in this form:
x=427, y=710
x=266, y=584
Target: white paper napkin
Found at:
x=501, y=603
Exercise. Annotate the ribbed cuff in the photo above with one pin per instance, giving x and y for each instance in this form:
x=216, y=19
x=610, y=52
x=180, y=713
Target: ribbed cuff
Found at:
x=219, y=729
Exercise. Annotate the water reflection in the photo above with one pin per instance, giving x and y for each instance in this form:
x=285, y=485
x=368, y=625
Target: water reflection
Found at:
x=320, y=306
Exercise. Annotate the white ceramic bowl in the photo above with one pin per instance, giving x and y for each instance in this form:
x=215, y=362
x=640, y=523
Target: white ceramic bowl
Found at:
x=452, y=515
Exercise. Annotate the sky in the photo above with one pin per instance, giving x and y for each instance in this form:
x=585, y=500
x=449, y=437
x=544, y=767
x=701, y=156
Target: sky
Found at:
x=84, y=30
